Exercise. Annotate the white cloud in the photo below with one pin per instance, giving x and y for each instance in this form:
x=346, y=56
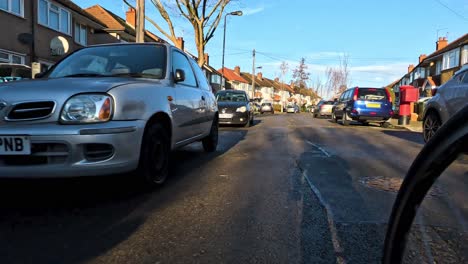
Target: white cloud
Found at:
x=325, y=55
x=251, y=11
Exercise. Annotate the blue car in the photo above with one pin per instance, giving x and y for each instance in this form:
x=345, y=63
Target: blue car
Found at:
x=363, y=105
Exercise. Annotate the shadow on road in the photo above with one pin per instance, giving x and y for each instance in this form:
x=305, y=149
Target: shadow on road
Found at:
x=415, y=137
x=76, y=220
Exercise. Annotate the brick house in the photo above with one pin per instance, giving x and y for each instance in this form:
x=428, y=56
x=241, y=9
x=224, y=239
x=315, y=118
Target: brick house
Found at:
x=45, y=30
x=234, y=80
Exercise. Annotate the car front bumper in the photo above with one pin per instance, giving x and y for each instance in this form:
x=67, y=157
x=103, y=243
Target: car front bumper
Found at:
x=236, y=119
x=75, y=150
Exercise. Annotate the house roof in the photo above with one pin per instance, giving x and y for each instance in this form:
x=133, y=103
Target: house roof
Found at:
x=463, y=40
x=230, y=75
x=113, y=22
x=74, y=7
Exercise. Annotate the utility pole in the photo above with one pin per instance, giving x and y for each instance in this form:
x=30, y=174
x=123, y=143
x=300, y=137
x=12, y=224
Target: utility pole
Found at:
x=253, y=74
x=140, y=21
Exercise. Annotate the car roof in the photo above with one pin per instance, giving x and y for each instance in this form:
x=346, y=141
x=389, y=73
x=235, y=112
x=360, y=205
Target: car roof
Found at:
x=15, y=65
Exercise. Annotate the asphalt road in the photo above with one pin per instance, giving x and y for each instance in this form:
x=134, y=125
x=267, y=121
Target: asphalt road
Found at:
x=290, y=189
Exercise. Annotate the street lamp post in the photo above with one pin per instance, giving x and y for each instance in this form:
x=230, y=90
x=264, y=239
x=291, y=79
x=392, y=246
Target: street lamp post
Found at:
x=235, y=13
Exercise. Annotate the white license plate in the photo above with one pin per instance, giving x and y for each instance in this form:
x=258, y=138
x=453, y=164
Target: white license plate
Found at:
x=225, y=115
x=15, y=145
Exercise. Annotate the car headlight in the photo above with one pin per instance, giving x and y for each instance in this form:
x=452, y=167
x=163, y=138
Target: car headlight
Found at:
x=87, y=108
x=241, y=109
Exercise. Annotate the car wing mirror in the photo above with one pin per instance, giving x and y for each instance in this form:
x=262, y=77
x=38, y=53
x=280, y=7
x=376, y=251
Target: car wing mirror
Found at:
x=179, y=75
x=39, y=75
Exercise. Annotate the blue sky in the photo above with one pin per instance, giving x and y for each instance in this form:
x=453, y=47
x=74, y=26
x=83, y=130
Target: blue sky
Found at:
x=381, y=38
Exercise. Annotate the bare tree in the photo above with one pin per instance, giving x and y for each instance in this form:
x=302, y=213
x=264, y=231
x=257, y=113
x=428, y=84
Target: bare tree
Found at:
x=203, y=15
x=338, y=77
x=301, y=75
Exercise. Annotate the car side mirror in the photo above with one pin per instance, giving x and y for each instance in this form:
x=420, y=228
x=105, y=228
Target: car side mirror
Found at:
x=39, y=75
x=179, y=75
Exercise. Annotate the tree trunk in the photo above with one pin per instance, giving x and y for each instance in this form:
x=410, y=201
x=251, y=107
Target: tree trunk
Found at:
x=200, y=43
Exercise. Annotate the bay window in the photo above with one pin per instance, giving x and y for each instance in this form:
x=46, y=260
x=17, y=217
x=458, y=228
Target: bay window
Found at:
x=15, y=7
x=54, y=16
x=451, y=59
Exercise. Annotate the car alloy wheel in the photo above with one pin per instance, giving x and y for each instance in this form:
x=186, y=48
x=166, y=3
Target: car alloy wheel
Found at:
x=345, y=120
x=430, y=126
x=334, y=119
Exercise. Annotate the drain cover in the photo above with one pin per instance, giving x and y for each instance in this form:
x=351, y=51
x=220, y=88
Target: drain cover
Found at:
x=393, y=185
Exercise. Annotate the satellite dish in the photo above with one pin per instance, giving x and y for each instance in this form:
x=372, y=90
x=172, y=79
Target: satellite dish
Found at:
x=59, y=46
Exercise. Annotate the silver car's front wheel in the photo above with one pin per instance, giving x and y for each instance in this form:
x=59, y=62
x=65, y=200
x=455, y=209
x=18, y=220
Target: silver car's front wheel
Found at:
x=431, y=124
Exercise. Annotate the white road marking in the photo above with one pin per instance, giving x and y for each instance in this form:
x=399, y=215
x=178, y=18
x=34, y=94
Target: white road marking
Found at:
x=320, y=148
x=331, y=223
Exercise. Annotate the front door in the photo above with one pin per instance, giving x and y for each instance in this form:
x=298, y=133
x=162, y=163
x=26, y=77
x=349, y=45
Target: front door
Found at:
x=186, y=112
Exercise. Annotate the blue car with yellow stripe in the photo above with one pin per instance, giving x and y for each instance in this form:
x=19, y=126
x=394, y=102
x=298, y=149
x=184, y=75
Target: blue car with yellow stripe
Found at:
x=364, y=105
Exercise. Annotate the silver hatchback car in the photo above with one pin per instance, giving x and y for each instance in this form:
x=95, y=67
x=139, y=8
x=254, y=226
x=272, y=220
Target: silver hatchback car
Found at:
x=106, y=109
x=449, y=99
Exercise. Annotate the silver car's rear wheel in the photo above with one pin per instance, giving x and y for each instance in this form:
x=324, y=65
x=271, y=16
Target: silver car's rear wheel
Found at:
x=431, y=124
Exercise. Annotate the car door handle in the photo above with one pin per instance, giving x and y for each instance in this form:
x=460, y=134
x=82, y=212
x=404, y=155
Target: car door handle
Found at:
x=203, y=98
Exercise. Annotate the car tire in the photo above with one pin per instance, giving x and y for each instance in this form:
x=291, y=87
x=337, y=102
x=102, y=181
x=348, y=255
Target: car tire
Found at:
x=248, y=122
x=345, y=120
x=210, y=143
x=384, y=125
x=333, y=118
x=251, y=121
x=431, y=124
x=261, y=113
x=153, y=167
x=365, y=123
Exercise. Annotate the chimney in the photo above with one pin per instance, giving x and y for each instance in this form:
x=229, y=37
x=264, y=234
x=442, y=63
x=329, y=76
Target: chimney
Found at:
x=410, y=68
x=422, y=57
x=276, y=79
x=131, y=16
x=180, y=43
x=237, y=70
x=207, y=58
x=260, y=76
x=441, y=43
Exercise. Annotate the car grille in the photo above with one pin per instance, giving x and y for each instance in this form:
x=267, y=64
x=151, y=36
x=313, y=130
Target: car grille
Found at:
x=41, y=154
x=31, y=110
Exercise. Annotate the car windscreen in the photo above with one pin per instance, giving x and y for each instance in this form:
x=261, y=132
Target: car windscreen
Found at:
x=371, y=94
x=148, y=61
x=231, y=97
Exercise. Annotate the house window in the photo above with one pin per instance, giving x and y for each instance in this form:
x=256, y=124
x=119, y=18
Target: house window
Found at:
x=215, y=79
x=9, y=57
x=438, y=67
x=464, y=55
x=13, y=6
x=53, y=16
x=451, y=59
x=80, y=34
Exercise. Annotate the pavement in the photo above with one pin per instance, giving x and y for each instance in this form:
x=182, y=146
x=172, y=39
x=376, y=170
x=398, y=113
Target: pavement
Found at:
x=415, y=126
x=290, y=189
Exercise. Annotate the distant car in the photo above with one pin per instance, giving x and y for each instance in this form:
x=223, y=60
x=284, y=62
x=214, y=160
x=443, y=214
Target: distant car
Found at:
x=324, y=108
x=104, y=110
x=448, y=99
x=267, y=108
x=363, y=105
x=14, y=72
x=292, y=109
x=234, y=108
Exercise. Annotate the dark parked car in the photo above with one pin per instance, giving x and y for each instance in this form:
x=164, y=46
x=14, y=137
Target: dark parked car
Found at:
x=14, y=72
x=363, y=105
x=234, y=108
x=449, y=99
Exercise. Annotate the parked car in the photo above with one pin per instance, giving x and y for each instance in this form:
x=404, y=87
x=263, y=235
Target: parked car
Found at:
x=292, y=108
x=324, y=108
x=448, y=99
x=14, y=72
x=106, y=109
x=267, y=107
x=363, y=105
x=234, y=108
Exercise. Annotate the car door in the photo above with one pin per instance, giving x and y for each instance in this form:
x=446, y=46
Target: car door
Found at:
x=458, y=94
x=186, y=112
x=341, y=104
x=207, y=102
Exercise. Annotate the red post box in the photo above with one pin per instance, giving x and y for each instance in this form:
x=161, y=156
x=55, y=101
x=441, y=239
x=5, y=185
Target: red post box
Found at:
x=408, y=94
